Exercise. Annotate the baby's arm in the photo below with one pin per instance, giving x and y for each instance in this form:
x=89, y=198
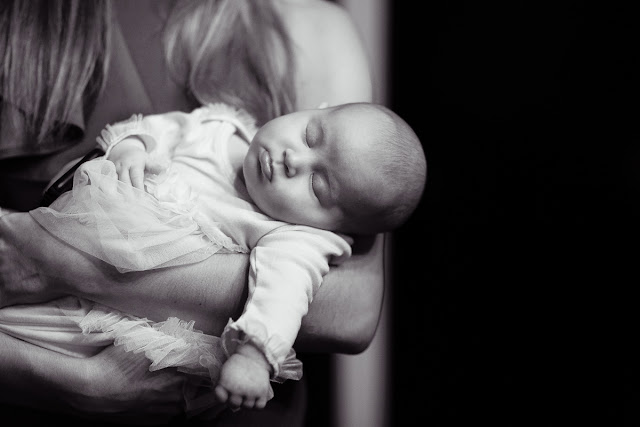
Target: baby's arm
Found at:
x=132, y=161
x=127, y=144
x=286, y=269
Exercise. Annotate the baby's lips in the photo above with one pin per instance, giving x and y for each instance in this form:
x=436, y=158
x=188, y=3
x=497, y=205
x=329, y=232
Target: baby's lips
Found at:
x=266, y=164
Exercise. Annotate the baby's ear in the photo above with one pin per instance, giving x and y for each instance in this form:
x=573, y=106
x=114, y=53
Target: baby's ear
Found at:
x=323, y=105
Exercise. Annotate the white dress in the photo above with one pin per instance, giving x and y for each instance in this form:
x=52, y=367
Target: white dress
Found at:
x=195, y=209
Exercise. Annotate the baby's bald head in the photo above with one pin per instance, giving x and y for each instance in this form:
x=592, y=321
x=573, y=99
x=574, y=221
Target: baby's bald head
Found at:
x=399, y=161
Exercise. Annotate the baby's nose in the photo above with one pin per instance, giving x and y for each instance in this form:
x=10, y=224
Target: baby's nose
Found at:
x=293, y=162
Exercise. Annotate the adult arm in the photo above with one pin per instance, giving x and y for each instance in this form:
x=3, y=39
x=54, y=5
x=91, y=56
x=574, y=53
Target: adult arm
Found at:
x=157, y=294
x=96, y=387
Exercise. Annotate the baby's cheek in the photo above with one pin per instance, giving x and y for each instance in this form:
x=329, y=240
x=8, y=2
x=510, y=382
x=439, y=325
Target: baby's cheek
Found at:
x=272, y=204
x=286, y=203
x=288, y=209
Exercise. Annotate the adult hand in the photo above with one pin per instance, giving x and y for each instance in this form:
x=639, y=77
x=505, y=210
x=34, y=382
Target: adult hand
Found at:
x=118, y=387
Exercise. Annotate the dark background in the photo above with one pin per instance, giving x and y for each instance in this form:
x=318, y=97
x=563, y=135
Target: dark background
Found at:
x=514, y=282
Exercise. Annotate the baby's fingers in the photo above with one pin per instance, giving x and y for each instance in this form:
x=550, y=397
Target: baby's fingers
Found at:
x=249, y=403
x=136, y=175
x=123, y=172
x=235, y=401
x=261, y=402
x=154, y=167
x=221, y=394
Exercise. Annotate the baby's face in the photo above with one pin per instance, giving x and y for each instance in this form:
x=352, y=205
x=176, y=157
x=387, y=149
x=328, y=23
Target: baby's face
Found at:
x=303, y=167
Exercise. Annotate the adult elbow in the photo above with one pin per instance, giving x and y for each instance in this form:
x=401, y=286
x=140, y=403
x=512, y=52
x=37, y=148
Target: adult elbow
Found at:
x=360, y=332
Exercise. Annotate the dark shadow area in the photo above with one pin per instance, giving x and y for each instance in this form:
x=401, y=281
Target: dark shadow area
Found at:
x=514, y=296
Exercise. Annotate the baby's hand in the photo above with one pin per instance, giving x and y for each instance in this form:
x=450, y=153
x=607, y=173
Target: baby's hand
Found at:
x=244, y=379
x=132, y=161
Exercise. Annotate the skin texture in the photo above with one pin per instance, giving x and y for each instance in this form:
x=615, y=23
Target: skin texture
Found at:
x=304, y=167
x=343, y=318
x=134, y=395
x=244, y=379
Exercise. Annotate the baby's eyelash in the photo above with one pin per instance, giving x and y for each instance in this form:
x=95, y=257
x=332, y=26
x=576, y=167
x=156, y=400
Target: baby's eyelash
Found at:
x=306, y=141
x=311, y=184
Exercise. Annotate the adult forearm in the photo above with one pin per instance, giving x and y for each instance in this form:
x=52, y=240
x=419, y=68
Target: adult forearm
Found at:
x=344, y=314
x=342, y=317
x=209, y=292
x=113, y=385
x=36, y=377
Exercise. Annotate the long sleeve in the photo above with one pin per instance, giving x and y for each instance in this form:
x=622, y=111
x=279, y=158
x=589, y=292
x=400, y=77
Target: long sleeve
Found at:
x=286, y=269
x=163, y=133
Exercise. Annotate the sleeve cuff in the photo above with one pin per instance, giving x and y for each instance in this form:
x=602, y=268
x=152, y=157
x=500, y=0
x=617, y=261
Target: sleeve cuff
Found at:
x=113, y=135
x=283, y=361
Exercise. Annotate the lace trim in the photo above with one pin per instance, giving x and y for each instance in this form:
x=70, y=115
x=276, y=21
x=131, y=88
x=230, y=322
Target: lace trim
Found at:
x=112, y=135
x=242, y=120
x=172, y=343
x=234, y=335
x=174, y=195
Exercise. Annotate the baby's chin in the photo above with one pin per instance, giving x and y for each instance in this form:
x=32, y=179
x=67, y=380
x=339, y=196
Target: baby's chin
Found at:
x=257, y=194
x=250, y=184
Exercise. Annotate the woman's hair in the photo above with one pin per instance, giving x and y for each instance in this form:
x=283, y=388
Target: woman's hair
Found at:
x=232, y=51
x=54, y=59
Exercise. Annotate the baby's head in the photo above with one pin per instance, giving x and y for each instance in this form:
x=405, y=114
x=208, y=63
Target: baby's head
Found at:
x=353, y=168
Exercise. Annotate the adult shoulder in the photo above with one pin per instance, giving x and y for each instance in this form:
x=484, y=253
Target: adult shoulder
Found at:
x=331, y=61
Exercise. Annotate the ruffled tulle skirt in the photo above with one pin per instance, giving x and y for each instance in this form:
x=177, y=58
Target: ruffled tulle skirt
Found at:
x=129, y=228
x=81, y=328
